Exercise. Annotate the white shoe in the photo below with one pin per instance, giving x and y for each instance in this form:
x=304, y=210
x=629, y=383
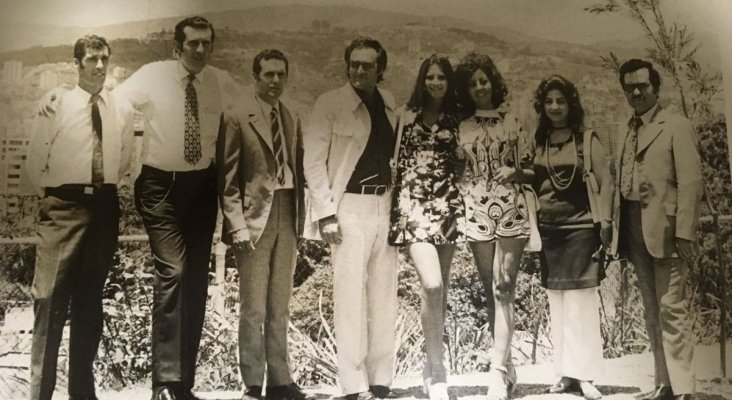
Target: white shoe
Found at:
x=589, y=391
x=438, y=391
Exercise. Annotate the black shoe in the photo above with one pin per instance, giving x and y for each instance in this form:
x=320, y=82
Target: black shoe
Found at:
x=380, y=391
x=252, y=393
x=685, y=396
x=286, y=392
x=164, y=393
x=92, y=397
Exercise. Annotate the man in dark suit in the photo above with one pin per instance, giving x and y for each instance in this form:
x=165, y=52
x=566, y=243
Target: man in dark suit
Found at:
x=259, y=154
x=657, y=203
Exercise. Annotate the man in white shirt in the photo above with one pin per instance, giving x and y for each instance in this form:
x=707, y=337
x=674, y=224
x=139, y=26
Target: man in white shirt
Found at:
x=175, y=194
x=259, y=157
x=76, y=158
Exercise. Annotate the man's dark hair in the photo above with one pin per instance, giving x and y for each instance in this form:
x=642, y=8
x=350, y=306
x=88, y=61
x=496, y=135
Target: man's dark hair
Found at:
x=369, y=43
x=269, y=54
x=196, y=22
x=635, y=64
x=89, y=42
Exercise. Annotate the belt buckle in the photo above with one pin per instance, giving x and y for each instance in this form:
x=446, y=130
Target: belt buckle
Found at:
x=378, y=190
x=88, y=190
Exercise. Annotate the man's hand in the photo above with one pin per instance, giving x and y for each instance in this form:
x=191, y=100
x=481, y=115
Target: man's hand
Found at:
x=606, y=234
x=687, y=249
x=241, y=241
x=330, y=230
x=48, y=104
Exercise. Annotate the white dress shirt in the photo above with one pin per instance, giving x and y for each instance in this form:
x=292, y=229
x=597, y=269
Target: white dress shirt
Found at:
x=61, y=146
x=158, y=89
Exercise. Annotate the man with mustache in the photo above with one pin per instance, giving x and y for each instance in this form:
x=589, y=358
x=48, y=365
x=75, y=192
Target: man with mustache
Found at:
x=259, y=156
x=348, y=147
x=657, y=205
x=76, y=159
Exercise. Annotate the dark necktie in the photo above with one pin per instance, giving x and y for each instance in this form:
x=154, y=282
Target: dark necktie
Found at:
x=192, y=138
x=277, y=146
x=97, y=176
x=628, y=162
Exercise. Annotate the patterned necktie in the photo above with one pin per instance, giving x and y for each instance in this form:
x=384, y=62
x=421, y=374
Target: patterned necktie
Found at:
x=192, y=138
x=628, y=162
x=277, y=146
x=97, y=173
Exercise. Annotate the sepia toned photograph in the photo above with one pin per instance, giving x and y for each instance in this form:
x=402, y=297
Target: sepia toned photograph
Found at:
x=350, y=200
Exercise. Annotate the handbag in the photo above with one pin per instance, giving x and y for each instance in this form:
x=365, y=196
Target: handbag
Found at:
x=593, y=189
x=532, y=204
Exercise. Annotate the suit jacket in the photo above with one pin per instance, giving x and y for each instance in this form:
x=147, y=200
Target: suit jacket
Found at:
x=246, y=167
x=334, y=140
x=670, y=182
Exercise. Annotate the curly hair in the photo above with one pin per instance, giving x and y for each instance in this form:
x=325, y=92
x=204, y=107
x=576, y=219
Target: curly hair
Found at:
x=419, y=93
x=464, y=72
x=575, y=116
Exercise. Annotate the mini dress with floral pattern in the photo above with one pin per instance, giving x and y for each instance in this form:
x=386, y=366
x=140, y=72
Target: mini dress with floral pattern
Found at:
x=494, y=210
x=427, y=205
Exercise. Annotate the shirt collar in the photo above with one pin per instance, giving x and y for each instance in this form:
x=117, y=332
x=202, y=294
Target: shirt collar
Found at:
x=266, y=107
x=183, y=74
x=647, y=117
x=86, y=96
x=354, y=99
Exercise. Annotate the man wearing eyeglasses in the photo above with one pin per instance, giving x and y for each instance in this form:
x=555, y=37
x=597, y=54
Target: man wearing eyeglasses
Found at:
x=657, y=207
x=348, y=146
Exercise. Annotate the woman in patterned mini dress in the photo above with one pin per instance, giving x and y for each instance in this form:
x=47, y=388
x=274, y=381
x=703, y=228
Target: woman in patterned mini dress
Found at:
x=499, y=156
x=428, y=211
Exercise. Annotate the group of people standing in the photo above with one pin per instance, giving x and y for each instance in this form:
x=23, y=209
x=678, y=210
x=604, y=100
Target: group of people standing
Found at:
x=451, y=166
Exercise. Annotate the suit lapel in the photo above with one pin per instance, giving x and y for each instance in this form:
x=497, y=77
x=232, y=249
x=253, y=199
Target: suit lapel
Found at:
x=259, y=125
x=651, y=132
x=288, y=132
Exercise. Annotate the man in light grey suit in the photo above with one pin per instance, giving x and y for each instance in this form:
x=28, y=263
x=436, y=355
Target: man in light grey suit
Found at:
x=657, y=204
x=260, y=182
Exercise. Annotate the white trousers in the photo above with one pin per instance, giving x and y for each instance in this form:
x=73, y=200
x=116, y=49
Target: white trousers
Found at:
x=575, y=322
x=364, y=293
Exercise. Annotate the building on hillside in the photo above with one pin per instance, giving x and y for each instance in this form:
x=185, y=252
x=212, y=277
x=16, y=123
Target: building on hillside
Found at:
x=12, y=71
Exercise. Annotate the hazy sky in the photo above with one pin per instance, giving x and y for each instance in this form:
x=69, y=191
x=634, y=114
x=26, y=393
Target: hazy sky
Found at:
x=559, y=19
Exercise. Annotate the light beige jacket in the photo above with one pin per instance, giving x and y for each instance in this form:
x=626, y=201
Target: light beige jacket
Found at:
x=670, y=182
x=333, y=141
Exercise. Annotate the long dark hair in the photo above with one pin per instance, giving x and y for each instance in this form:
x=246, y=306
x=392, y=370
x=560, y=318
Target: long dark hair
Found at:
x=419, y=93
x=575, y=116
x=465, y=70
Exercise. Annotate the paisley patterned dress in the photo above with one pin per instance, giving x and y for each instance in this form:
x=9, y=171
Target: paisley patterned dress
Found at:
x=493, y=210
x=427, y=206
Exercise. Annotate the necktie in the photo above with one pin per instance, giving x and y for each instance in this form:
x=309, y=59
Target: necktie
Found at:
x=97, y=176
x=192, y=138
x=277, y=146
x=628, y=162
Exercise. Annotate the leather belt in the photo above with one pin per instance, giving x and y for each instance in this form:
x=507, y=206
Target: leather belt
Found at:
x=377, y=190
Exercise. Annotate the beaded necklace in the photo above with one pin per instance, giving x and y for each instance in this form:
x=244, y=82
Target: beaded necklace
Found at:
x=560, y=184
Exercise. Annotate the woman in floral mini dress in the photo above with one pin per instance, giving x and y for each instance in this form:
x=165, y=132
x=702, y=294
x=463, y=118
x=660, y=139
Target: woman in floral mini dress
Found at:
x=499, y=155
x=428, y=211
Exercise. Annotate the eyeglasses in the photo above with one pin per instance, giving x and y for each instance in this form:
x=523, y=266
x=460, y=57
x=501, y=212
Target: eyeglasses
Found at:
x=366, y=66
x=631, y=87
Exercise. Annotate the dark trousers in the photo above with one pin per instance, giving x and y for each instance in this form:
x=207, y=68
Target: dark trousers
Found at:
x=265, y=286
x=78, y=237
x=662, y=283
x=178, y=210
